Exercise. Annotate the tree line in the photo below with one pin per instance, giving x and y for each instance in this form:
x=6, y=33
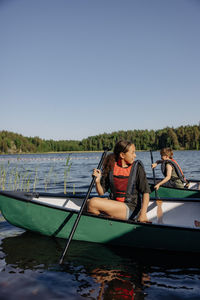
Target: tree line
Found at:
x=181, y=138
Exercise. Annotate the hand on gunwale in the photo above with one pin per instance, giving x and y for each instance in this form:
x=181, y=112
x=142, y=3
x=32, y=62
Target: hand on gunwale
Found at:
x=143, y=218
x=156, y=187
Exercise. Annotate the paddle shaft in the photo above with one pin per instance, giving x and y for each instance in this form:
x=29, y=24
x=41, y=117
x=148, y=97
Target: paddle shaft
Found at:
x=82, y=207
x=154, y=175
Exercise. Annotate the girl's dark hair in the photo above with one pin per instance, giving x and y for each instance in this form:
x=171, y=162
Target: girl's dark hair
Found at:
x=121, y=146
x=167, y=151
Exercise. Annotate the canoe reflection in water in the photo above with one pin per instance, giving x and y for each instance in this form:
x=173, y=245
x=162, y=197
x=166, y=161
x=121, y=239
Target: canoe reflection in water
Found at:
x=90, y=270
x=114, y=284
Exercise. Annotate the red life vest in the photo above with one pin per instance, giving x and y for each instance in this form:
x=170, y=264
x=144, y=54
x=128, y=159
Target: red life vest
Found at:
x=120, y=178
x=122, y=182
x=176, y=166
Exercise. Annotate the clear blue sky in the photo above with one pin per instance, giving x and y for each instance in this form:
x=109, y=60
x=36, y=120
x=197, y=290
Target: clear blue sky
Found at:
x=70, y=69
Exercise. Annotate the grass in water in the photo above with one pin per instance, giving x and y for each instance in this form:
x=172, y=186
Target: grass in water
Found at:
x=48, y=178
x=3, y=178
x=35, y=179
x=66, y=173
x=16, y=178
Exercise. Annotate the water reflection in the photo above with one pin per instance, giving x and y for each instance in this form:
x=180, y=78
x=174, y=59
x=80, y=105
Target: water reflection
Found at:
x=115, y=284
x=30, y=263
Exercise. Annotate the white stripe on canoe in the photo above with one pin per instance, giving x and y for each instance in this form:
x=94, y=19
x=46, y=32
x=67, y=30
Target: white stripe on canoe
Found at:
x=68, y=203
x=170, y=212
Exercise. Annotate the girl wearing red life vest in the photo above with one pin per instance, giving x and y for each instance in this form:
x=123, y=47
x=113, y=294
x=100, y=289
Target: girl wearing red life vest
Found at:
x=171, y=170
x=125, y=179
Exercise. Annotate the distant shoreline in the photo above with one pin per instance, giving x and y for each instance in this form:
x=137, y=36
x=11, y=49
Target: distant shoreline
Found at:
x=59, y=152
x=180, y=138
x=69, y=152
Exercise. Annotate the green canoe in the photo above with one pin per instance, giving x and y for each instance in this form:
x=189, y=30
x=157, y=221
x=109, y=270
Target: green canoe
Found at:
x=172, y=226
x=168, y=192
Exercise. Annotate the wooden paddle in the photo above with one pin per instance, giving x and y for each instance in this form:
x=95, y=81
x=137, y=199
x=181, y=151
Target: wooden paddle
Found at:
x=158, y=201
x=154, y=176
x=82, y=206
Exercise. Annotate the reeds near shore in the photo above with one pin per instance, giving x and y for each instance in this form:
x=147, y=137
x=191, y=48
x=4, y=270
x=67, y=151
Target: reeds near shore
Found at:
x=19, y=178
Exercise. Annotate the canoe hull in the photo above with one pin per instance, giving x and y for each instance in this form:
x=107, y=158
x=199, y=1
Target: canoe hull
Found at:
x=167, y=192
x=56, y=222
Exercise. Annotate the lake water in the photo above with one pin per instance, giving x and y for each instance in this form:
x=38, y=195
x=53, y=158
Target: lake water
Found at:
x=29, y=267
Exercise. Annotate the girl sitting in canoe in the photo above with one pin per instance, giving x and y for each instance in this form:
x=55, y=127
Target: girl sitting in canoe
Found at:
x=125, y=179
x=171, y=170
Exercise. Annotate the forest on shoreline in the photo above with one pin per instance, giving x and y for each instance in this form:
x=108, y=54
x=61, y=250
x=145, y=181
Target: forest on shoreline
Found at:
x=180, y=138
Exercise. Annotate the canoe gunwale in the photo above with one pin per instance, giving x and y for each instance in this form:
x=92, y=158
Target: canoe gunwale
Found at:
x=28, y=196
x=167, y=199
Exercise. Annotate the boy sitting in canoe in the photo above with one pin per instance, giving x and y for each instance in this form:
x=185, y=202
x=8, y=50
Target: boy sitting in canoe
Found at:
x=125, y=179
x=171, y=170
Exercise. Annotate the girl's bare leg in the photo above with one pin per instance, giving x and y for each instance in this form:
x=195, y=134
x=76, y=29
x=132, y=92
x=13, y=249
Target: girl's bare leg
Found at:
x=112, y=208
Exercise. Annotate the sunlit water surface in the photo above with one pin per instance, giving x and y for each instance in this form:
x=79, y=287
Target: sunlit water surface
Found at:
x=29, y=267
